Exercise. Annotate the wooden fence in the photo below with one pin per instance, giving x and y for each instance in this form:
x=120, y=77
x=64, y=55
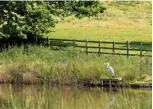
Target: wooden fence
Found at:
x=102, y=47
x=88, y=46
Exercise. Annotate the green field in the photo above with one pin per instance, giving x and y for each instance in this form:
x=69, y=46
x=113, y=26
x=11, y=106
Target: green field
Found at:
x=117, y=23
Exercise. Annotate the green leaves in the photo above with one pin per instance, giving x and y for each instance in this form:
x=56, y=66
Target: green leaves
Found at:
x=79, y=8
x=38, y=18
x=12, y=22
x=26, y=19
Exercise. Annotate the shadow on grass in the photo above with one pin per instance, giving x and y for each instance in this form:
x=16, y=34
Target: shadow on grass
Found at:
x=146, y=46
x=6, y=43
x=137, y=45
x=57, y=44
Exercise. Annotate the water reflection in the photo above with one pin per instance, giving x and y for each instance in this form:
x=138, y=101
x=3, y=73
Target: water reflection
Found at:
x=48, y=97
x=112, y=100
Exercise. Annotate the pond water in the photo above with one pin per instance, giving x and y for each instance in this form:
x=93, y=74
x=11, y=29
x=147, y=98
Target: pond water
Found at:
x=49, y=97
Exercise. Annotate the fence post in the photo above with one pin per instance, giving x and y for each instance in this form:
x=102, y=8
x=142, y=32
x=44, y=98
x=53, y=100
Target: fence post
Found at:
x=127, y=44
x=60, y=44
x=41, y=44
x=4, y=46
x=87, y=46
x=48, y=42
x=99, y=45
x=8, y=45
x=22, y=44
x=74, y=43
x=113, y=46
x=140, y=49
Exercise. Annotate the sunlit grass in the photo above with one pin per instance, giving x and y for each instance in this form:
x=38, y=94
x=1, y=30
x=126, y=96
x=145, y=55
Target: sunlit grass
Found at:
x=117, y=23
x=104, y=34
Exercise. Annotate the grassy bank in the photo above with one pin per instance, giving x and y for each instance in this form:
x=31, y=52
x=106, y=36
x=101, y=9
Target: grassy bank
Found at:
x=34, y=65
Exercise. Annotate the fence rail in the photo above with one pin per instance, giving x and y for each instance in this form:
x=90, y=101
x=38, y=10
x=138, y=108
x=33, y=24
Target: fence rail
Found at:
x=100, y=47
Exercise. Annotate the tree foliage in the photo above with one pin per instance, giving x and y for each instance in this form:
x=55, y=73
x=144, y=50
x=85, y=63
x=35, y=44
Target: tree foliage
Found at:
x=23, y=19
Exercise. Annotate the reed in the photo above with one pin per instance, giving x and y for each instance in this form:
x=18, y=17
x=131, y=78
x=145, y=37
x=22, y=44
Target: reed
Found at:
x=43, y=65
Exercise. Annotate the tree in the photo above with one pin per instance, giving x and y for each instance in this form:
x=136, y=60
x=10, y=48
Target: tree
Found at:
x=28, y=19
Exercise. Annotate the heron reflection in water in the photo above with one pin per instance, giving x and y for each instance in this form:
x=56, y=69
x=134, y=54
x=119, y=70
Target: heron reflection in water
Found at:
x=111, y=102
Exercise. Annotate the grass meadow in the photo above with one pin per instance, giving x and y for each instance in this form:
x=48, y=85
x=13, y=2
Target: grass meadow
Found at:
x=119, y=22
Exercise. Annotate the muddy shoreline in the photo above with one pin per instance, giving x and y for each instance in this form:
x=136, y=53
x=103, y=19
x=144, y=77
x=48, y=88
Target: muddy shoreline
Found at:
x=83, y=84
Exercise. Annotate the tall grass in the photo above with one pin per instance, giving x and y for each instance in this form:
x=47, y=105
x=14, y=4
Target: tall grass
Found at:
x=43, y=65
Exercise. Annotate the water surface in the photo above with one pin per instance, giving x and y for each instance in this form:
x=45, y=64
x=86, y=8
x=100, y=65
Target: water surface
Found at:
x=49, y=97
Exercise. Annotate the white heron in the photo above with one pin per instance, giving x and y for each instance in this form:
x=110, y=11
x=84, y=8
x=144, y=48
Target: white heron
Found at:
x=110, y=69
